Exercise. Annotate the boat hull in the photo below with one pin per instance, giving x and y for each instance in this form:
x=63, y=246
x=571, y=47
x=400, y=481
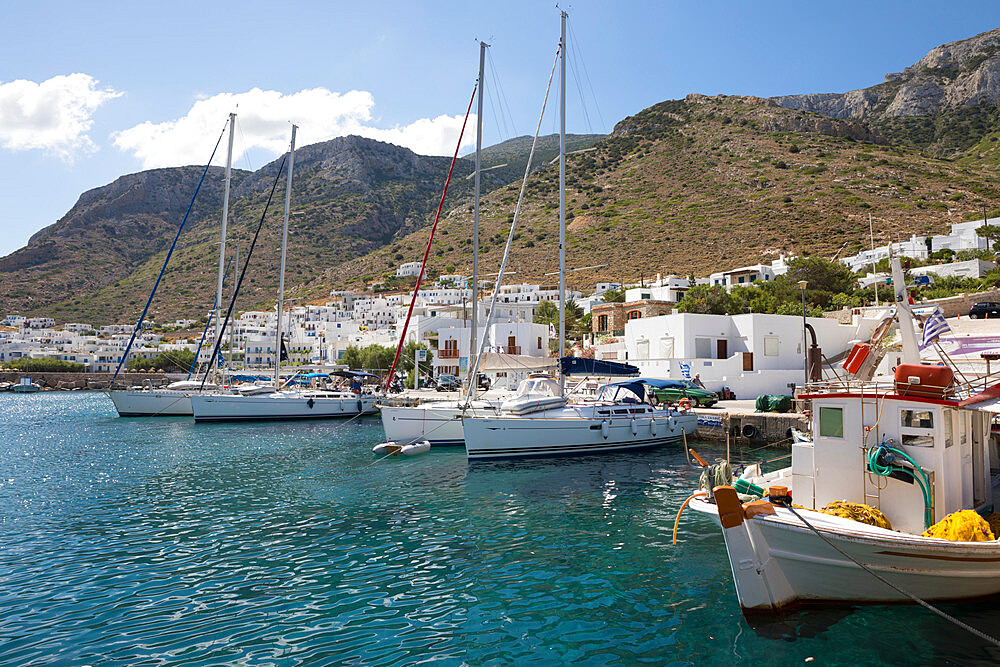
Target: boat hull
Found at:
x=777, y=561
x=441, y=424
x=216, y=408
x=519, y=437
x=151, y=403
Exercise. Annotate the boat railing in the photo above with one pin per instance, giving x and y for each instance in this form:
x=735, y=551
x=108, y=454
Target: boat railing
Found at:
x=962, y=388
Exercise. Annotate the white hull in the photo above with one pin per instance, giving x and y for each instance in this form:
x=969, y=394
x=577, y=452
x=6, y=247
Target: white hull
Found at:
x=440, y=423
x=151, y=403
x=278, y=405
x=563, y=432
x=777, y=561
x=25, y=388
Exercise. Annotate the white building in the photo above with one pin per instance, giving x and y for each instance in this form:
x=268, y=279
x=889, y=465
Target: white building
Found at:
x=747, y=275
x=751, y=353
x=408, y=269
x=963, y=236
x=513, y=338
x=972, y=268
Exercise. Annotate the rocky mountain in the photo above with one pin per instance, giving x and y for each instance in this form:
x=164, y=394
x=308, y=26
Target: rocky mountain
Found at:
x=691, y=186
x=350, y=196
x=946, y=101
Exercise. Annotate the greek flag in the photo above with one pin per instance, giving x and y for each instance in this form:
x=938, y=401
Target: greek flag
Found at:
x=934, y=326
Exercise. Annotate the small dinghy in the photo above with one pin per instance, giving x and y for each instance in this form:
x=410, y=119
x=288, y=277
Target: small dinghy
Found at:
x=407, y=449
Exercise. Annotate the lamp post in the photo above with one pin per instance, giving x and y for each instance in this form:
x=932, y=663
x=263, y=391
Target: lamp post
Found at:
x=805, y=353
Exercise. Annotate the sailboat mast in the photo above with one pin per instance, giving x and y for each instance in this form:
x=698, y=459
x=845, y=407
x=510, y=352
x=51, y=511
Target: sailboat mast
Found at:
x=281, y=274
x=562, y=194
x=474, y=347
x=222, y=243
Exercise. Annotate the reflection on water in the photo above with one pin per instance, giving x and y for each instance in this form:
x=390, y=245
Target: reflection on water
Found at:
x=139, y=541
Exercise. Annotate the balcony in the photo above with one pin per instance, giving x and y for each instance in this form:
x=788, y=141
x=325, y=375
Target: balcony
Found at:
x=510, y=349
x=448, y=354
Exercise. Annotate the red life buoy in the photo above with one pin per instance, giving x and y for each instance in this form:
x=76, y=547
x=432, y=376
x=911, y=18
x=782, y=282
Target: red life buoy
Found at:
x=684, y=404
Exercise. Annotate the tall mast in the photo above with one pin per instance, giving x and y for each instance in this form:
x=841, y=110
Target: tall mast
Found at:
x=562, y=193
x=911, y=354
x=475, y=227
x=222, y=243
x=236, y=269
x=281, y=274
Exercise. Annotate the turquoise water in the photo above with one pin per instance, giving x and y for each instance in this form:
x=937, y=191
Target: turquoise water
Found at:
x=129, y=541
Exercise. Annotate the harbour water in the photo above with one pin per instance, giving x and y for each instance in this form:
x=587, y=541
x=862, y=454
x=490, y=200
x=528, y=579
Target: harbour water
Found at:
x=158, y=541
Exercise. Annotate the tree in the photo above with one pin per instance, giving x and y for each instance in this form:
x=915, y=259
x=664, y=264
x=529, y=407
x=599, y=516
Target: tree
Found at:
x=821, y=274
x=989, y=232
x=708, y=299
x=45, y=365
x=614, y=296
x=546, y=312
x=406, y=360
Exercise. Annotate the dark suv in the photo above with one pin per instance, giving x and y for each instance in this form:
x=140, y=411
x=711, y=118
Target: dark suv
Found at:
x=985, y=309
x=448, y=383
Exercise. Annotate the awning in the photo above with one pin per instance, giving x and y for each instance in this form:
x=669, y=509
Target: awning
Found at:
x=987, y=400
x=492, y=362
x=583, y=366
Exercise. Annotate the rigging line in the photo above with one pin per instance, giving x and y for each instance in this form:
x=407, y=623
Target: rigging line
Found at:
x=493, y=108
x=246, y=151
x=579, y=92
x=243, y=272
x=430, y=240
x=503, y=95
x=166, y=260
x=911, y=596
x=583, y=65
x=194, y=362
x=495, y=99
x=517, y=212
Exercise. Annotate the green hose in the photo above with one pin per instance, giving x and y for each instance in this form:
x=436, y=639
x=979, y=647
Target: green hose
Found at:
x=886, y=470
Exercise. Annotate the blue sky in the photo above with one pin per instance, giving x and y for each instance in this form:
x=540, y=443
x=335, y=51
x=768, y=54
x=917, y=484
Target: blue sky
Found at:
x=154, y=77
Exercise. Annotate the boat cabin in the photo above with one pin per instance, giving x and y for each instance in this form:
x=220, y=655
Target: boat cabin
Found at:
x=941, y=463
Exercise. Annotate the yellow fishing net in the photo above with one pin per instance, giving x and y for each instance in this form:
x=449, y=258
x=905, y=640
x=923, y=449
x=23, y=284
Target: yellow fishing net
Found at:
x=857, y=512
x=962, y=526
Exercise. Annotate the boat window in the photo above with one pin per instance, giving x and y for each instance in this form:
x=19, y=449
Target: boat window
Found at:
x=831, y=422
x=915, y=440
x=916, y=418
x=948, y=431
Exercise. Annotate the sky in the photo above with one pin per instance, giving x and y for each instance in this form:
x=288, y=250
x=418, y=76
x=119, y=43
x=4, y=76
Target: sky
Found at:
x=92, y=91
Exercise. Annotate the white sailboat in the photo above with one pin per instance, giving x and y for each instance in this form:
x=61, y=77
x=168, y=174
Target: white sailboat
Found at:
x=916, y=450
x=281, y=403
x=174, y=400
x=440, y=422
x=539, y=421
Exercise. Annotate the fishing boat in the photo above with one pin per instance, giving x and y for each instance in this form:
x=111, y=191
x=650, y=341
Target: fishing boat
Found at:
x=283, y=402
x=175, y=399
x=883, y=503
x=26, y=386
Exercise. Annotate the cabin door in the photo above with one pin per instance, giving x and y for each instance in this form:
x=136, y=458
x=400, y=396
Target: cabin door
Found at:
x=980, y=431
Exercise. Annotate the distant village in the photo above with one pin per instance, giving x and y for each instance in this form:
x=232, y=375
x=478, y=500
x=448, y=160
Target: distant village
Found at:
x=757, y=352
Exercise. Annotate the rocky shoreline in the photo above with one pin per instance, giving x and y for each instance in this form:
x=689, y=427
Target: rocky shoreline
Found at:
x=55, y=381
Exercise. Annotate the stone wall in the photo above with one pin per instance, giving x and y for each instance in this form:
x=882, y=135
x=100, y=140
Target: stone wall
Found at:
x=952, y=306
x=82, y=380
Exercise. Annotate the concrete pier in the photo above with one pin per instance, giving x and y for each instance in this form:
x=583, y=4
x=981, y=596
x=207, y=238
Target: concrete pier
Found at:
x=738, y=421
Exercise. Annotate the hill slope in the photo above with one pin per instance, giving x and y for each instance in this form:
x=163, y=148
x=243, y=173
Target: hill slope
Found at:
x=695, y=185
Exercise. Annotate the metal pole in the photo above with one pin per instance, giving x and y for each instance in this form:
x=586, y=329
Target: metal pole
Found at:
x=475, y=225
x=284, y=247
x=805, y=351
x=236, y=270
x=222, y=243
x=562, y=195
x=416, y=368
x=871, y=234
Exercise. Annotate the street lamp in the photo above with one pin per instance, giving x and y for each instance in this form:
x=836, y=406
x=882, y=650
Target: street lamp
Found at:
x=805, y=354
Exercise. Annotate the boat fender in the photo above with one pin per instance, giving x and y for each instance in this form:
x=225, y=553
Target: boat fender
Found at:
x=359, y=407
x=310, y=403
x=635, y=427
x=672, y=422
x=751, y=432
x=652, y=427
x=605, y=430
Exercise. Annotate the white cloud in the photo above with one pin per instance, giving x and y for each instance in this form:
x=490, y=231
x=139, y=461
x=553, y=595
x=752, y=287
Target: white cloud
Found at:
x=263, y=122
x=54, y=115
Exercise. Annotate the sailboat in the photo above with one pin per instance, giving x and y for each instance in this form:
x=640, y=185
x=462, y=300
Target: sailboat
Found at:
x=282, y=403
x=440, y=422
x=539, y=420
x=174, y=400
x=887, y=492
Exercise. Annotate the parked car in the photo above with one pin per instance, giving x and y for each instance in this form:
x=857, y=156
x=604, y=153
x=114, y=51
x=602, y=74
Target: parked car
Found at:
x=448, y=383
x=985, y=309
x=674, y=390
x=484, y=382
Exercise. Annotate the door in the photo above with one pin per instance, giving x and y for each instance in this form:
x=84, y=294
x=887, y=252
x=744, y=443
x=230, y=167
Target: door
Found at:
x=748, y=361
x=512, y=345
x=722, y=349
